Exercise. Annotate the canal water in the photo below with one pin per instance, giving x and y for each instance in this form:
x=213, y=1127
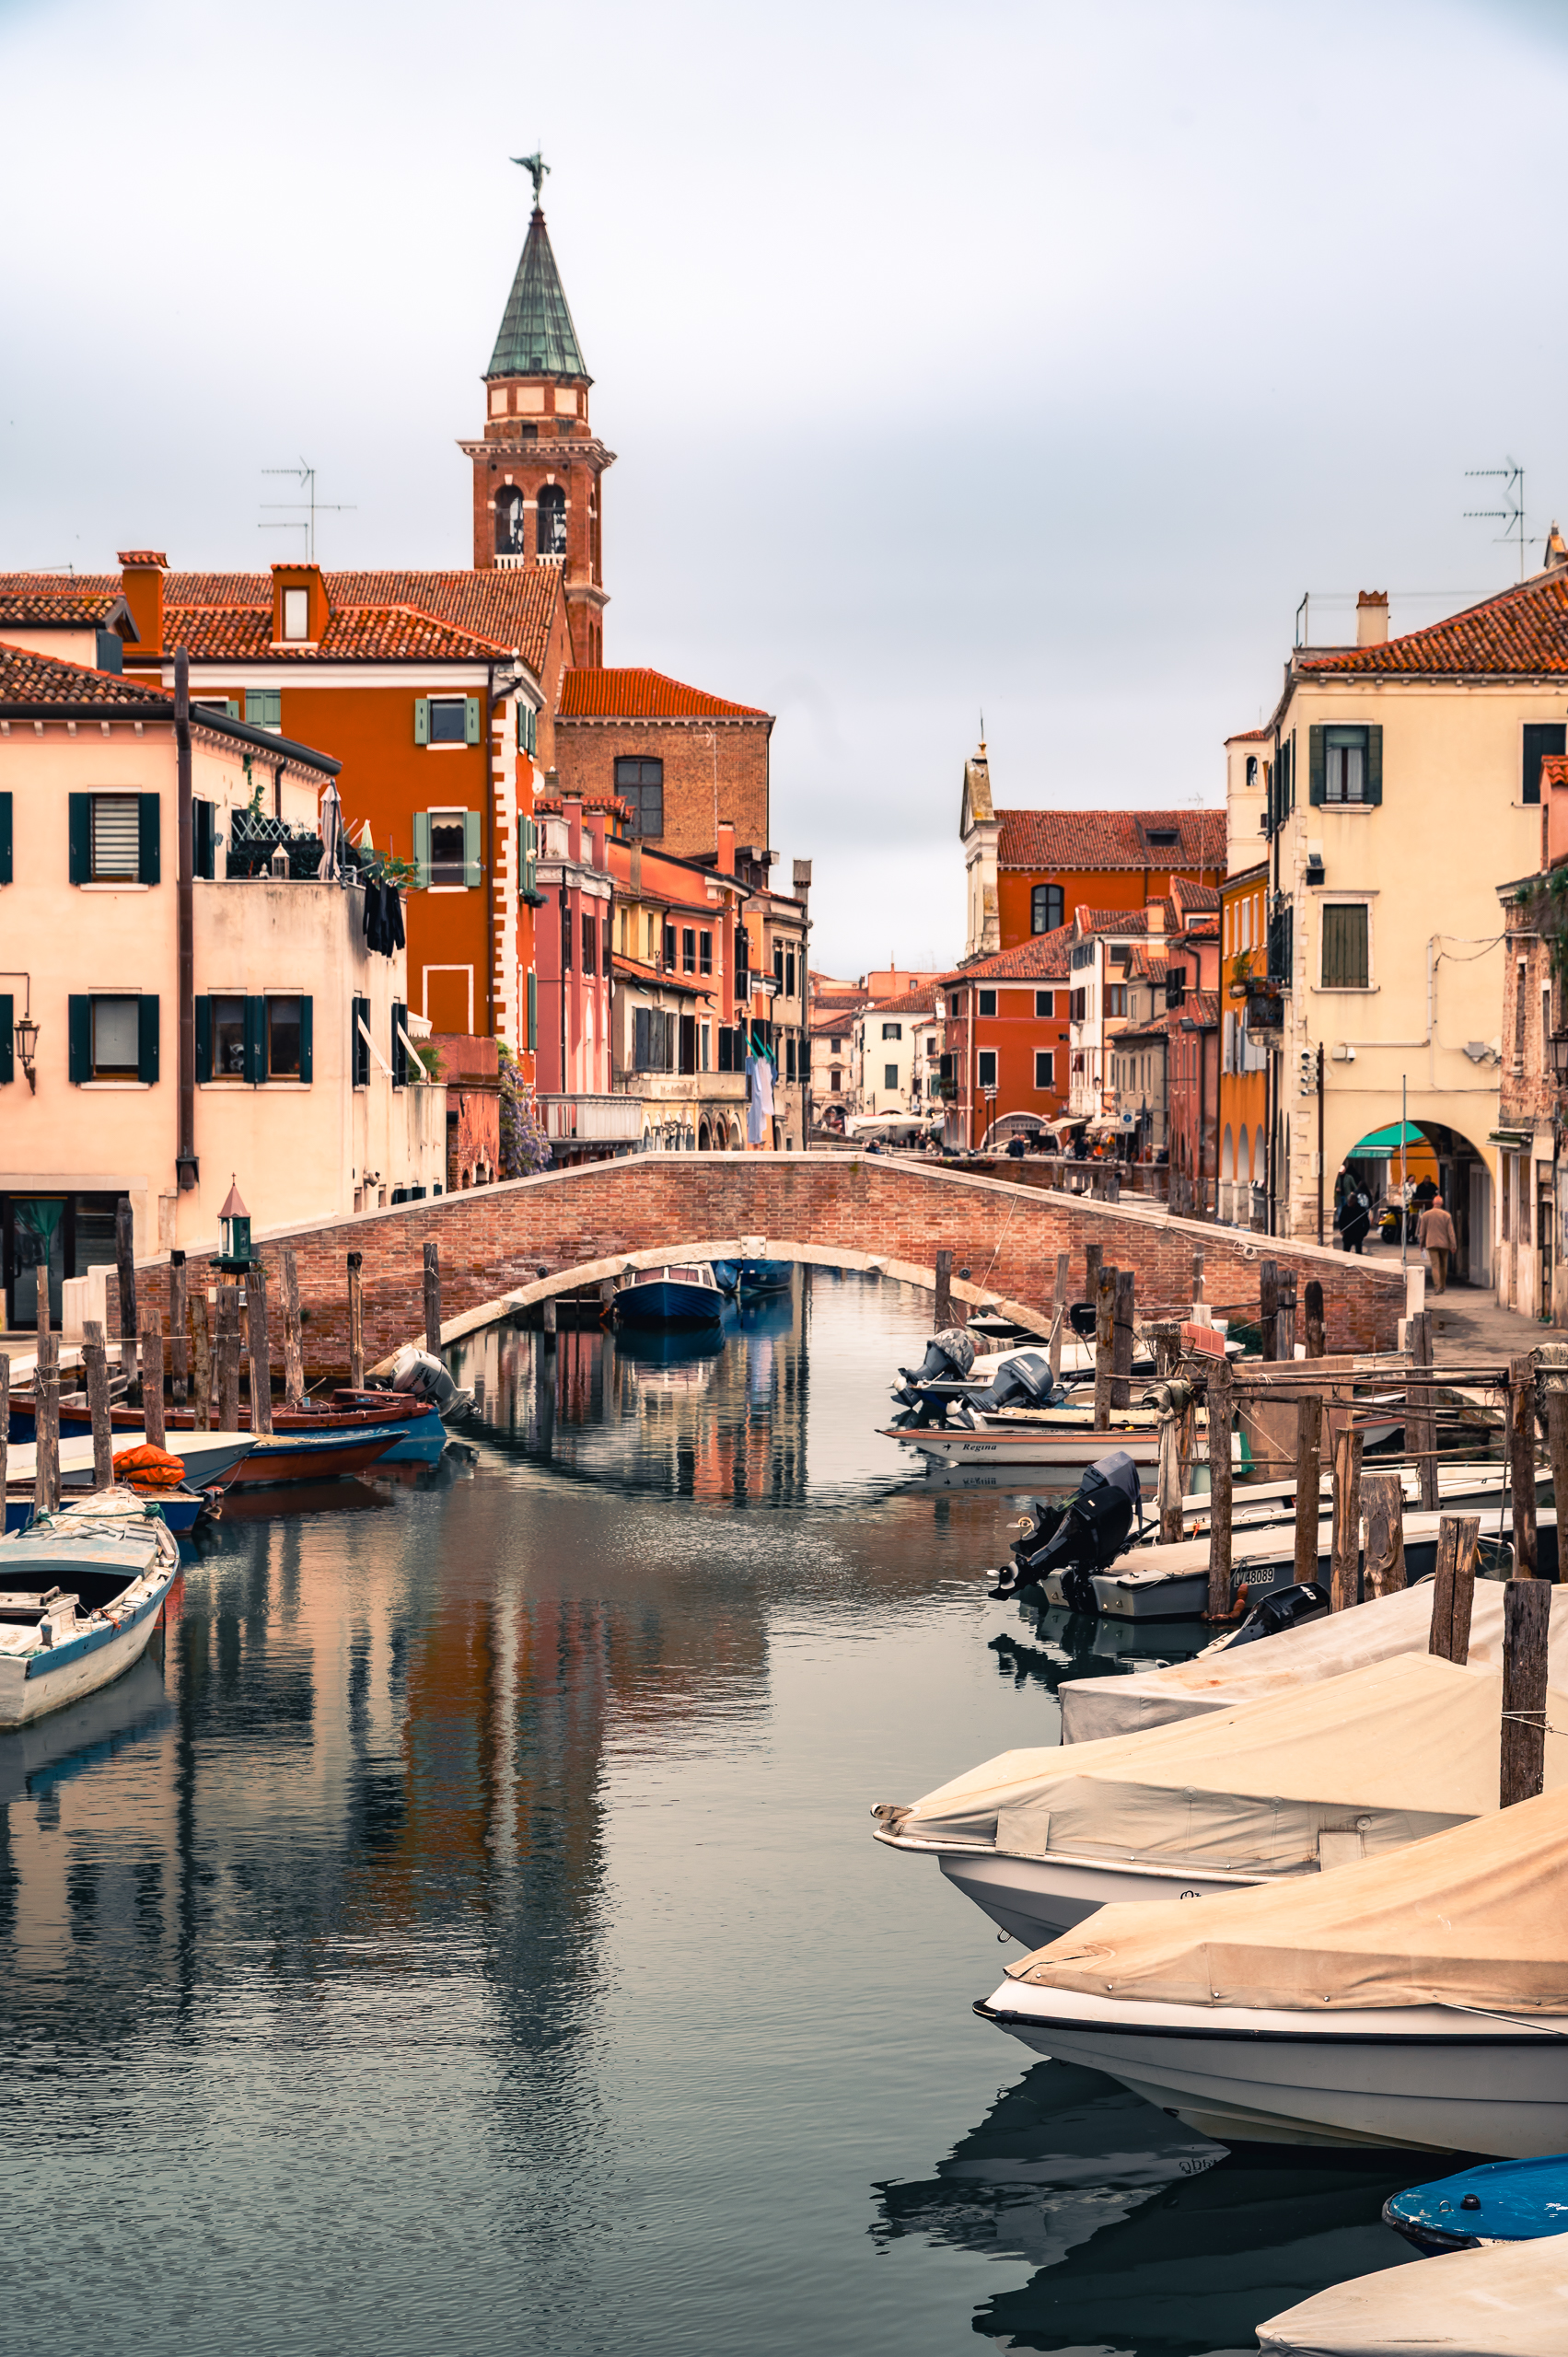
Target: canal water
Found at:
x=467, y=1936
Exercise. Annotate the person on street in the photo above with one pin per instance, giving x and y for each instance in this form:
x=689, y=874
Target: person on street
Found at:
x=1438, y=1239
x=1355, y=1217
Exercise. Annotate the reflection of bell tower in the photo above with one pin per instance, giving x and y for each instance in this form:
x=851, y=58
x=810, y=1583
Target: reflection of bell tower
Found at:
x=538, y=475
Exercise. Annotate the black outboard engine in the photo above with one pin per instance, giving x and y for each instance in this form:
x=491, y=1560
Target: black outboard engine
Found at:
x=948, y=1358
x=1283, y=1608
x=1082, y=1317
x=1081, y=1537
x=1024, y=1382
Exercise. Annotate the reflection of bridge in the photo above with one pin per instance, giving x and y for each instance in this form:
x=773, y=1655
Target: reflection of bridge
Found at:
x=890, y=1214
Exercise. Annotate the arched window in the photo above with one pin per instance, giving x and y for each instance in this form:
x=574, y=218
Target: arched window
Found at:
x=1251, y=769
x=509, y=522
x=1227, y=1154
x=1258, y=1173
x=551, y=520
x=1045, y=908
x=1243, y=1155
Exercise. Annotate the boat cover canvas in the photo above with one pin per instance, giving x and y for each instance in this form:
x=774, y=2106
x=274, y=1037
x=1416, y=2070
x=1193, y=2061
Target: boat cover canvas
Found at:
x=1475, y=1918
x=1390, y=1752
x=1094, y=1707
x=1510, y=2301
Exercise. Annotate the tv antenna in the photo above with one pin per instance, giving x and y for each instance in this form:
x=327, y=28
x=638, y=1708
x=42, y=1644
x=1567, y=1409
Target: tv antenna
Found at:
x=305, y=477
x=1511, y=515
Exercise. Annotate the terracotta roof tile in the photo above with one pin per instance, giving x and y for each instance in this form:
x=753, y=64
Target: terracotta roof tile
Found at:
x=1042, y=958
x=1250, y=736
x=1199, y=1009
x=27, y=680
x=1089, y=842
x=67, y=604
x=1523, y=632
x=640, y=694
x=915, y=1003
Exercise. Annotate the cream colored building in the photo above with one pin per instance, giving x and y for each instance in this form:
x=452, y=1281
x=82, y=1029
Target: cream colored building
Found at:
x=292, y=1063
x=899, y=1057
x=1402, y=785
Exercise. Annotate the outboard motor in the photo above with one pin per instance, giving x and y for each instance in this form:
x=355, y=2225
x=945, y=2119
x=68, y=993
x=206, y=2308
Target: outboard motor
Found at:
x=422, y=1375
x=1081, y=1537
x=1283, y=1608
x=1024, y=1382
x=948, y=1358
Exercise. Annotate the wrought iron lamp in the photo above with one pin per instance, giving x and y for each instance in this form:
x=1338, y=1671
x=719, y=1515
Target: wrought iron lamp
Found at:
x=26, y=1047
x=234, y=1232
x=1558, y=1043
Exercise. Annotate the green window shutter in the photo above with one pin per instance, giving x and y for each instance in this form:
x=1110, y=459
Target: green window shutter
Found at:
x=255, y=1040
x=263, y=707
x=204, y=839
x=1316, y=767
x=80, y=1026
x=533, y=1009
x=471, y=720
x=7, y=1040
x=203, y=1038
x=359, y=1058
x=474, y=865
x=149, y=852
x=422, y=720
x=1374, y=765
x=81, y=839
x=147, y=1030
x=4, y=839
x=307, y=1039
x=400, y=1053
x=421, y=847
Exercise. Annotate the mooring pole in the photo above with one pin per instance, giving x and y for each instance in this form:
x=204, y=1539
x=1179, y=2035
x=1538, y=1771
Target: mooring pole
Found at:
x=355, y=1322
x=1345, y=1589
x=1453, y=1589
x=1383, y=1500
x=95, y=1364
x=433, y=1298
x=1220, y=1410
x=1522, y=1462
x=1526, y=1622
x=1309, y=1480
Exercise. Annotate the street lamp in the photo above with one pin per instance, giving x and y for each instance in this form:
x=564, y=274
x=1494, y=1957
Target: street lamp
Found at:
x=234, y=1231
x=1559, y=1045
x=26, y=1047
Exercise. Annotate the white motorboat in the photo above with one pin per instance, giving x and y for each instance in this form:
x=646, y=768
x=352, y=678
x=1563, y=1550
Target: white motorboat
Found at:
x=81, y=1592
x=208, y=1457
x=1228, y=1673
x=1417, y=1999
x=1503, y=2300
x=1056, y=1447
x=1273, y=1791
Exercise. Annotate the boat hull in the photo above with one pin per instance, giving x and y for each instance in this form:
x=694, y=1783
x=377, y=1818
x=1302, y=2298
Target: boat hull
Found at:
x=310, y=1457
x=43, y=1682
x=1413, y=2078
x=1036, y=1899
x=668, y=1302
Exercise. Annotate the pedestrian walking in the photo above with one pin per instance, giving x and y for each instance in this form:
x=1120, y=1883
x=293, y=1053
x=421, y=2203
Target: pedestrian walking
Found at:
x=1353, y=1211
x=1436, y=1237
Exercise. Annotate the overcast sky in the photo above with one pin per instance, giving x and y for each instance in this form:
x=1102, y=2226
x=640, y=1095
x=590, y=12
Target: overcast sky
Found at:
x=1030, y=358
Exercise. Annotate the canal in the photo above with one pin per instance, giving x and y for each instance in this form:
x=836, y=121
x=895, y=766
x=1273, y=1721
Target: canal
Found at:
x=467, y=1936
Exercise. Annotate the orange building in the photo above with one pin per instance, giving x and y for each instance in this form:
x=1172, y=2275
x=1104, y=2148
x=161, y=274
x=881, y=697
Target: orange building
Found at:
x=1005, y=1042
x=1243, y=1059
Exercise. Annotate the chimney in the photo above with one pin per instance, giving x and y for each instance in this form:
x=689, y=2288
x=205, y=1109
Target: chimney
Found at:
x=725, y=861
x=1372, y=618
x=595, y=837
x=141, y=581
x=802, y=879
x=1155, y=914
x=1556, y=549
x=1554, y=813
x=572, y=811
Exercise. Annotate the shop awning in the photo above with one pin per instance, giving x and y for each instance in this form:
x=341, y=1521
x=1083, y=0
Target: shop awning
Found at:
x=1381, y=1143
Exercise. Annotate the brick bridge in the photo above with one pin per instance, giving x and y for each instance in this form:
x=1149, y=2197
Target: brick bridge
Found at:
x=839, y=1211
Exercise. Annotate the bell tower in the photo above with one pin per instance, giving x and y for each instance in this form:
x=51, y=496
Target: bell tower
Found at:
x=539, y=473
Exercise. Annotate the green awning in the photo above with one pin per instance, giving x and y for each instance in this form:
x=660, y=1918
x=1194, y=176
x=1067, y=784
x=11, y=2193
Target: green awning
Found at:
x=1382, y=1143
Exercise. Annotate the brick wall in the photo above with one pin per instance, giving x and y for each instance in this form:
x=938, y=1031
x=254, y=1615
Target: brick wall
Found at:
x=496, y=1239
x=586, y=752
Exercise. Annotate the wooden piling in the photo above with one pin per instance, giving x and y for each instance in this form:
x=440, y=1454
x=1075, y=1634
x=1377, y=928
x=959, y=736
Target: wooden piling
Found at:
x=179, y=1337
x=1557, y=1450
x=1105, y=1344
x=1094, y=1254
x=260, y=1350
x=1383, y=1500
x=1285, y=1329
x=1124, y=1311
x=202, y=1362
x=1345, y=1583
x=550, y=1322
x=1058, y=1316
x=1221, y=1410
x=228, y=1356
x=1526, y=1622
x=293, y=1340
x=1453, y=1589
x=1168, y=1491
x=1308, y=1476
x=433, y=1297
x=4, y=1425
x=1420, y=1411
x=1314, y=1337
x=46, y=1425
x=944, y=1312
x=125, y=1269
x=1521, y=1463
x=152, y=1383
x=1269, y=1307
x=355, y=1322
x=1197, y=1277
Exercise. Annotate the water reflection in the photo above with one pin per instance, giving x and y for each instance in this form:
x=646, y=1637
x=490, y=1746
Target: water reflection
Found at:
x=1140, y=2234
x=1050, y=1644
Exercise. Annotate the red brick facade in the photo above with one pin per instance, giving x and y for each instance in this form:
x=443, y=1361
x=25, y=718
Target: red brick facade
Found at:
x=494, y=1239
x=708, y=764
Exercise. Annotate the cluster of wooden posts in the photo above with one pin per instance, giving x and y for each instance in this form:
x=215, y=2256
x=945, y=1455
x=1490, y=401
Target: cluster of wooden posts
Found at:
x=210, y=1343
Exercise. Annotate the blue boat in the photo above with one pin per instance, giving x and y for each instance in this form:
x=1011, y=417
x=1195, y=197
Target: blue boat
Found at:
x=765, y=1276
x=1501, y=2201
x=727, y=1275
x=179, y=1508
x=686, y=1295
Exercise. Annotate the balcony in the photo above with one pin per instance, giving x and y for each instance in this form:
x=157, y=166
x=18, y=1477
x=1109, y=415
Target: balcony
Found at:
x=597, y=1121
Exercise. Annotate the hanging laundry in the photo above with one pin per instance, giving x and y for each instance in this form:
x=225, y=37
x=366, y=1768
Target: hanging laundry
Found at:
x=394, y=919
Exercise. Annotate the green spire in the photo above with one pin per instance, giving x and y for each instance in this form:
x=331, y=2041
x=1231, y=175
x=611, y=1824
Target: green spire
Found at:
x=536, y=337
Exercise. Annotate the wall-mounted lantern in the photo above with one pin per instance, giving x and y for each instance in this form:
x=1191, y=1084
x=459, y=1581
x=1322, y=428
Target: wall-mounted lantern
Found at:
x=234, y=1232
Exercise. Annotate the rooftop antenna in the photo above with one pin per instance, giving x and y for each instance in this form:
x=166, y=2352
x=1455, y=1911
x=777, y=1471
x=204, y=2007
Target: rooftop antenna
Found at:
x=306, y=476
x=537, y=166
x=983, y=729
x=1511, y=475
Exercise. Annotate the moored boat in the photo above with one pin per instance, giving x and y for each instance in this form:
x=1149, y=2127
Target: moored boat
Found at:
x=763, y=1277
x=1503, y=2302
x=1501, y=2201
x=81, y=1592
x=682, y=1294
